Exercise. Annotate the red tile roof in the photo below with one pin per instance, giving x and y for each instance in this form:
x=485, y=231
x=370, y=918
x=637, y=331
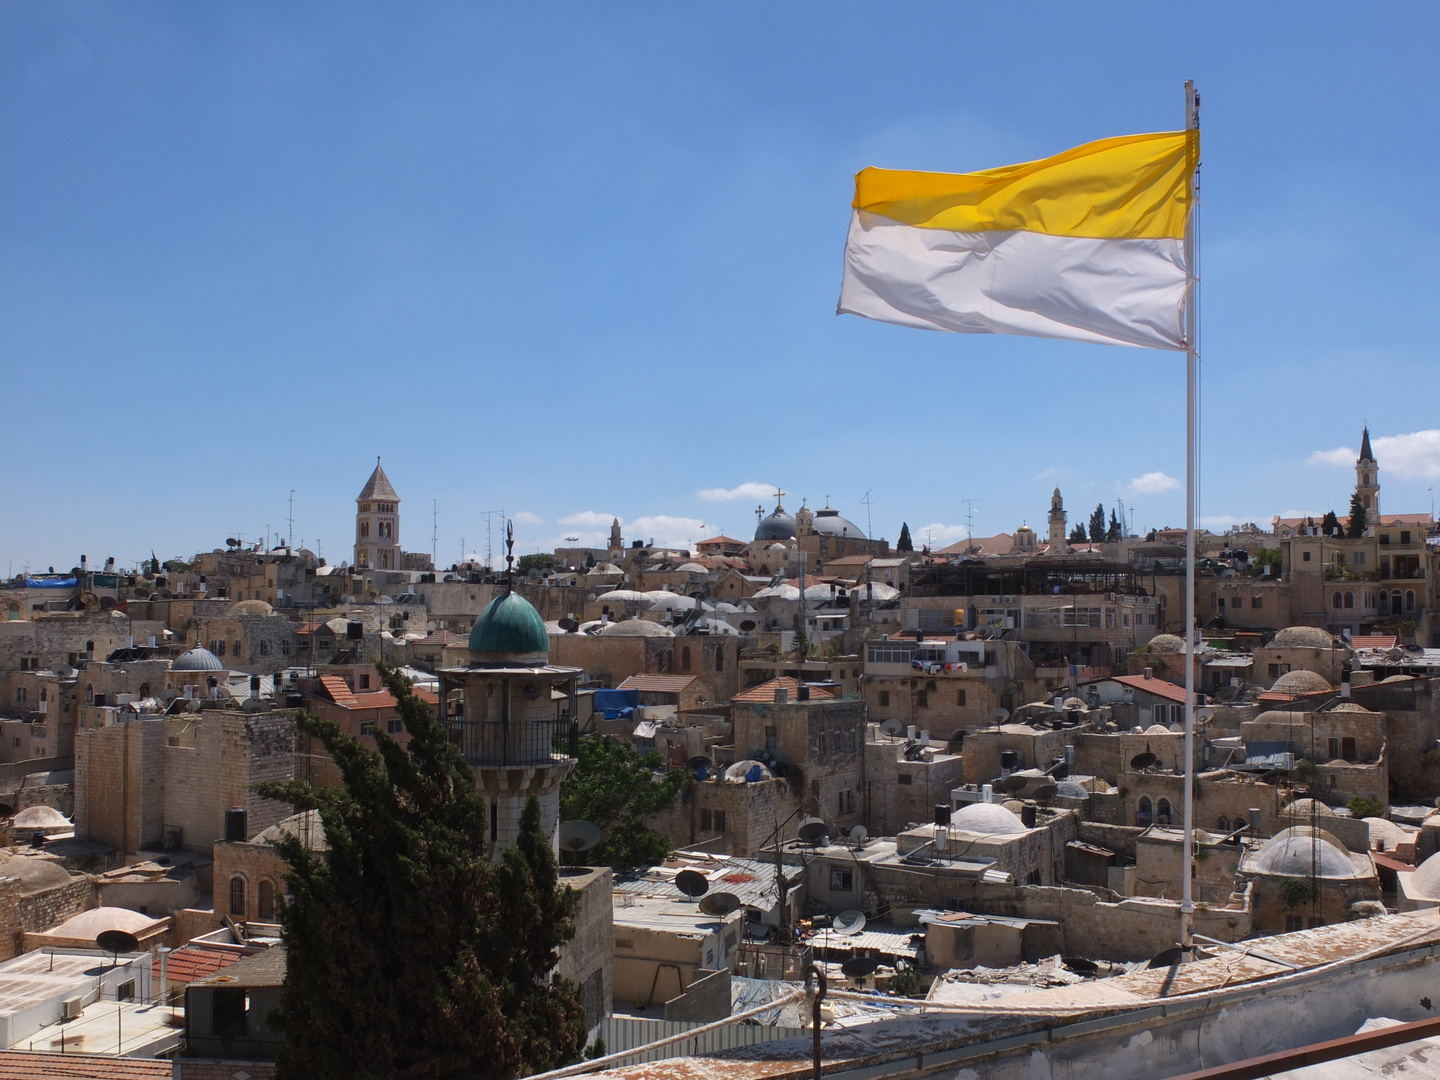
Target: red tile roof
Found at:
x=1158, y=687
x=25, y=1065
x=1374, y=641
x=765, y=692
x=376, y=699
x=199, y=962
x=337, y=690
x=720, y=540
x=658, y=684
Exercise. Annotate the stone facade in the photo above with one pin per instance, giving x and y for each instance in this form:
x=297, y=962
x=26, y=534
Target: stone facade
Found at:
x=22, y=914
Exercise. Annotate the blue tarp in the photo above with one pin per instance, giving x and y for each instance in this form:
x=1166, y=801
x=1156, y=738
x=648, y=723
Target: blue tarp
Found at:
x=51, y=583
x=615, y=703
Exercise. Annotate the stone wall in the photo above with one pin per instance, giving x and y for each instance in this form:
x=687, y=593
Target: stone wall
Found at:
x=20, y=915
x=588, y=958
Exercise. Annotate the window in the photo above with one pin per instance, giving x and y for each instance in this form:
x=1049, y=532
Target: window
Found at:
x=1349, y=599
x=685, y=658
x=237, y=897
x=884, y=698
x=1404, y=537
x=494, y=822
x=904, y=778
x=847, y=802
x=959, y=697
x=707, y=821
x=1163, y=812
x=264, y=648
x=720, y=821
x=1305, y=557
x=719, y=660
x=1223, y=823
x=125, y=991
x=841, y=880
x=394, y=727
x=1143, y=811
x=1347, y=749
x=367, y=729
x=1409, y=599
x=1334, y=749
x=772, y=737
x=364, y=682
x=1336, y=600
x=1359, y=558
x=891, y=653
x=1257, y=601
x=922, y=698
x=266, y=907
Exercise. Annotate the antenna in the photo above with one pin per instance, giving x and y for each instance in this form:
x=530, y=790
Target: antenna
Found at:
x=434, y=531
x=290, y=537
x=489, y=518
x=969, y=524
x=869, y=525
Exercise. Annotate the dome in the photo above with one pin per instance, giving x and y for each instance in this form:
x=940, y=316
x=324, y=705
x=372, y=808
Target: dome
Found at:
x=1425, y=881
x=987, y=819
x=197, y=659
x=1301, y=682
x=91, y=924
x=1157, y=729
x=636, y=628
x=1024, y=529
x=778, y=592
x=40, y=817
x=669, y=601
x=1166, y=643
x=692, y=568
x=1070, y=789
x=251, y=607
x=1302, y=637
x=34, y=875
x=510, y=625
x=1289, y=854
x=778, y=526
x=305, y=825
x=875, y=590
x=1306, y=807
x=832, y=524
x=1386, y=830
x=606, y=568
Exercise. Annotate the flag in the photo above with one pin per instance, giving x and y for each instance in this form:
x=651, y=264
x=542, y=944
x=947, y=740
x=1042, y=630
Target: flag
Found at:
x=1088, y=245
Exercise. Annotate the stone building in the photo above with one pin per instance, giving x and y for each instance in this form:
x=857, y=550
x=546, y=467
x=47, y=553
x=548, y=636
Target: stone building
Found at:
x=904, y=781
x=377, y=523
x=162, y=783
x=36, y=894
x=249, y=875
x=1304, y=877
x=250, y=637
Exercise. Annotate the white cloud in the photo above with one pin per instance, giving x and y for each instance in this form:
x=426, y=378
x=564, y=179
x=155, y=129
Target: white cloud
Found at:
x=1154, y=483
x=1223, y=520
x=525, y=517
x=666, y=530
x=937, y=535
x=1341, y=457
x=751, y=490
x=1410, y=457
x=1045, y=474
x=588, y=519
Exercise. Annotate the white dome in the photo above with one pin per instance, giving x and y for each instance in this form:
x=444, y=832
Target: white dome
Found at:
x=91, y=924
x=1301, y=682
x=876, y=591
x=1426, y=879
x=1303, y=808
x=1166, y=643
x=1300, y=851
x=669, y=601
x=778, y=592
x=987, y=819
x=41, y=817
x=636, y=628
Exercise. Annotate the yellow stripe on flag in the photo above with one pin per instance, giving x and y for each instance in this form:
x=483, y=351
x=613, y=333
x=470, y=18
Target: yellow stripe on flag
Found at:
x=1130, y=187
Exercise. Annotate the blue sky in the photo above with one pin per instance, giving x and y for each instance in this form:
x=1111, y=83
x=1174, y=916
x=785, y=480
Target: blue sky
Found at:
x=575, y=261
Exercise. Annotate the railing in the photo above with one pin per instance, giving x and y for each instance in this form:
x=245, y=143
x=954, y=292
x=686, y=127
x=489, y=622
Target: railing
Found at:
x=513, y=742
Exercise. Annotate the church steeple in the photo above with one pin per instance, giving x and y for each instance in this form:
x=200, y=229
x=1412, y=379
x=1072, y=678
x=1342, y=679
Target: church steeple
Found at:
x=1058, y=545
x=377, y=523
x=1367, y=477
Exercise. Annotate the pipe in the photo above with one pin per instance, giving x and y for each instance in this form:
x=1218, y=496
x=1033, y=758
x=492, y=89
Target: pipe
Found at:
x=819, y=973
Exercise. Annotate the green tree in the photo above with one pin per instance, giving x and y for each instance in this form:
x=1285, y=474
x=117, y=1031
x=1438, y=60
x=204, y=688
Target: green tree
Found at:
x=1355, y=528
x=1114, y=532
x=1271, y=557
x=802, y=642
x=904, y=543
x=1330, y=524
x=409, y=953
x=539, y=561
x=1097, y=524
x=1361, y=807
x=617, y=788
x=1077, y=534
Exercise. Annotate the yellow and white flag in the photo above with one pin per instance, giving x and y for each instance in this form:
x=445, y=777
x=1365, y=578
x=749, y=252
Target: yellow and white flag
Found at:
x=1088, y=245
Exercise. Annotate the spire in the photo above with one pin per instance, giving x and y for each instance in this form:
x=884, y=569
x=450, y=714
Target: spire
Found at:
x=509, y=556
x=1365, y=452
x=378, y=486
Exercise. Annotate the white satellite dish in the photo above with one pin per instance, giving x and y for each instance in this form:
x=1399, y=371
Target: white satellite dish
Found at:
x=999, y=716
x=577, y=836
x=891, y=727
x=1204, y=716
x=859, y=833
x=848, y=923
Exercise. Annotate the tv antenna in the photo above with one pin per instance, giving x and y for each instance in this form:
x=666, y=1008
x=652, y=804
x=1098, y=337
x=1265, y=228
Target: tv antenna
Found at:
x=434, y=531
x=489, y=551
x=869, y=525
x=290, y=536
x=969, y=524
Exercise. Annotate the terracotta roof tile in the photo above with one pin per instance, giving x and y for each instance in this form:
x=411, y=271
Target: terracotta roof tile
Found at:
x=765, y=692
x=337, y=689
x=199, y=962
x=1158, y=687
x=658, y=684
x=25, y=1065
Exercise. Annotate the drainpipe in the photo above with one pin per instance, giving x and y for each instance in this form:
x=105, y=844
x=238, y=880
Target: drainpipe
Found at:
x=819, y=973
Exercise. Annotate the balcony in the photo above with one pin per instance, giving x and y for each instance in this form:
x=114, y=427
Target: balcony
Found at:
x=513, y=743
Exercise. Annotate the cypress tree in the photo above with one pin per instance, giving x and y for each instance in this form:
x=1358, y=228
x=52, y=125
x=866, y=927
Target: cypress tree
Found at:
x=409, y=953
x=904, y=543
x=1330, y=524
x=1355, y=529
x=1077, y=534
x=1114, y=532
x=1097, y=524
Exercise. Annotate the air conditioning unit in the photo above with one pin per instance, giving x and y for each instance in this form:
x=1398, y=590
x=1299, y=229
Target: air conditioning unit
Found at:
x=70, y=1008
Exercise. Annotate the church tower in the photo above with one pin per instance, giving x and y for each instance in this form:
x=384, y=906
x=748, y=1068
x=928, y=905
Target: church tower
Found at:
x=1367, y=478
x=377, y=523
x=1058, y=545
x=617, y=542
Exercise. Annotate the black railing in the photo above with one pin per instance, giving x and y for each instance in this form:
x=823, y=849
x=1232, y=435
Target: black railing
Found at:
x=512, y=742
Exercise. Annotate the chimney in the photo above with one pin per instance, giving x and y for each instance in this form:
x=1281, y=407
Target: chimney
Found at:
x=1149, y=673
x=986, y=791
x=1345, y=681
x=782, y=695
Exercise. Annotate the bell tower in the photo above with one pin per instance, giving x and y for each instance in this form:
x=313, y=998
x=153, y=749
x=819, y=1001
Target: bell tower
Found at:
x=1057, y=524
x=1367, y=478
x=377, y=523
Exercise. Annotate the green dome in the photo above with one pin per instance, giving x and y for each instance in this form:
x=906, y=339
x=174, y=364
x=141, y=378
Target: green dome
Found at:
x=509, y=624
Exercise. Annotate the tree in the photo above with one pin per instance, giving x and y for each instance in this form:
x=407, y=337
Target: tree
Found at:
x=1274, y=558
x=904, y=543
x=1114, y=532
x=617, y=788
x=1355, y=529
x=1097, y=524
x=1330, y=524
x=408, y=952
x=1077, y=534
x=540, y=561
x=802, y=642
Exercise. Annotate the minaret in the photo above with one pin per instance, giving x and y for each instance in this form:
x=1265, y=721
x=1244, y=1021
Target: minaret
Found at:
x=377, y=523
x=617, y=542
x=1058, y=545
x=1367, y=478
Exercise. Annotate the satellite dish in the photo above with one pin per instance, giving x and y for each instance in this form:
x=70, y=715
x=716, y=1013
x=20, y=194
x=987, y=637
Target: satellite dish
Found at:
x=999, y=716
x=857, y=967
x=814, y=831
x=1142, y=761
x=699, y=761
x=859, y=833
x=692, y=883
x=167, y=695
x=89, y=599
x=1045, y=792
x=891, y=727
x=1227, y=693
x=848, y=923
x=577, y=836
x=1079, y=965
x=1204, y=716
x=117, y=941
x=720, y=903
x=1013, y=783
x=569, y=625
x=1168, y=958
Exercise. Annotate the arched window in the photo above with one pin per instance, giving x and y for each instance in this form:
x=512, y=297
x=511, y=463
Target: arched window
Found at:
x=14, y=613
x=1143, y=811
x=364, y=529
x=1162, y=812
x=89, y=693
x=1409, y=599
x=1222, y=823
x=237, y=897
x=266, y=906
x=720, y=659
x=1395, y=601
x=1349, y=599
x=1336, y=602
x=144, y=689
x=685, y=658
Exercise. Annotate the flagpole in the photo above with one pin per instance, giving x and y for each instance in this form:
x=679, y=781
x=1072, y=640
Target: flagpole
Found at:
x=1187, y=904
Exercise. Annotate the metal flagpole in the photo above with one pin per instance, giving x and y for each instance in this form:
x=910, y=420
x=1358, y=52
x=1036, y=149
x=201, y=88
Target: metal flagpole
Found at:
x=1187, y=903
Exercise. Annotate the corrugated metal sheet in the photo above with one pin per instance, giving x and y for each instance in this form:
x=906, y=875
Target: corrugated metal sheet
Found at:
x=624, y=1032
